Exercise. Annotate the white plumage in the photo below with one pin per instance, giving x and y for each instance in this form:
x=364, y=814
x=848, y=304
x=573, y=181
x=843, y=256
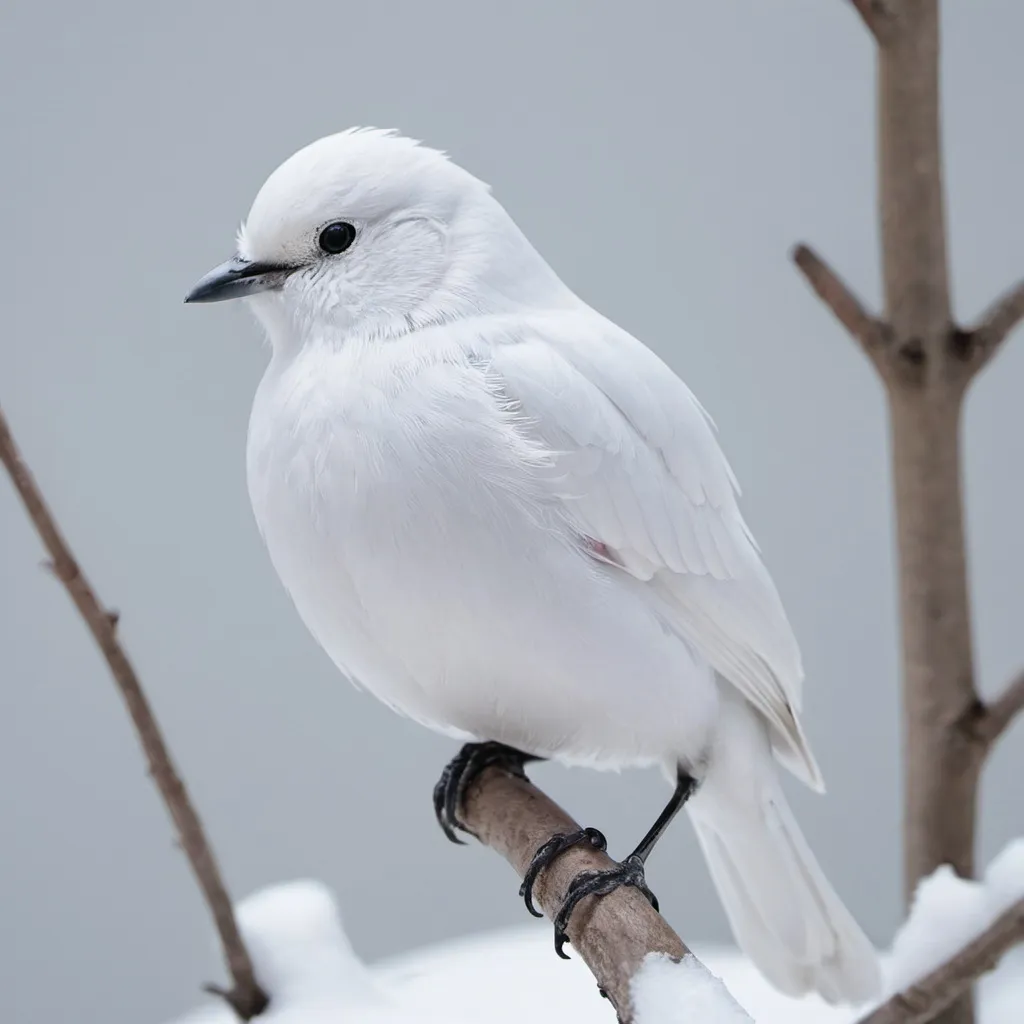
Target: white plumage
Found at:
x=508, y=519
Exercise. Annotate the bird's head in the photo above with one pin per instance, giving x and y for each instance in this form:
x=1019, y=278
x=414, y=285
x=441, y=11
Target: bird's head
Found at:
x=369, y=231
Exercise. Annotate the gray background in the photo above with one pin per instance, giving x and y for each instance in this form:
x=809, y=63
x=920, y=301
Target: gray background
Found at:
x=664, y=157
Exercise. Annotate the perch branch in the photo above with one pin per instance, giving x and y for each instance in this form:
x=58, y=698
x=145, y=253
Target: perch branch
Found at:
x=613, y=933
x=245, y=996
x=997, y=324
x=926, y=999
x=869, y=331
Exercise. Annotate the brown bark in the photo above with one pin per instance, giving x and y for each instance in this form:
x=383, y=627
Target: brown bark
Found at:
x=872, y=333
x=927, y=364
x=612, y=934
x=943, y=762
x=245, y=997
x=926, y=384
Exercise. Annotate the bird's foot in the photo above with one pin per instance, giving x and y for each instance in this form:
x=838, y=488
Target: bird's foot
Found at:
x=461, y=770
x=552, y=849
x=599, y=883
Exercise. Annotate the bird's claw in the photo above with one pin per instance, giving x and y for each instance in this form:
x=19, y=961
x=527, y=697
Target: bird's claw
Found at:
x=599, y=883
x=444, y=784
x=467, y=764
x=553, y=848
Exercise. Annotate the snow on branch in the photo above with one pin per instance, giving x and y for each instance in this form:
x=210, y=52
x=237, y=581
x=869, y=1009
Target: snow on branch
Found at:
x=245, y=996
x=958, y=930
x=613, y=934
x=926, y=999
x=686, y=992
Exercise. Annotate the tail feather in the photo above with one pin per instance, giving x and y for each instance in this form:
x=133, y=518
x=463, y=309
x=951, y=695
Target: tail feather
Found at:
x=784, y=914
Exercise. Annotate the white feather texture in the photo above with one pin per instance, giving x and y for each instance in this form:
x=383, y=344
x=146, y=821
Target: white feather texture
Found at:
x=508, y=519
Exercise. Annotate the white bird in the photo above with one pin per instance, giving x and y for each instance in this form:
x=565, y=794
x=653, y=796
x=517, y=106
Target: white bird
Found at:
x=509, y=520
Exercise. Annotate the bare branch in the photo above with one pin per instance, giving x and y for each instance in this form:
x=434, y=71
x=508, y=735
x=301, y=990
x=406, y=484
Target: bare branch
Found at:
x=996, y=324
x=877, y=16
x=612, y=933
x=871, y=332
x=936, y=992
x=246, y=997
x=994, y=718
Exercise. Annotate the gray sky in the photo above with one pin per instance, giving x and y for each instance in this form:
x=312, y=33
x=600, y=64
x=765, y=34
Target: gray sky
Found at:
x=664, y=157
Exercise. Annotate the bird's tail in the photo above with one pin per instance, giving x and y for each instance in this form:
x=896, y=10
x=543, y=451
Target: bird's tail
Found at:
x=784, y=914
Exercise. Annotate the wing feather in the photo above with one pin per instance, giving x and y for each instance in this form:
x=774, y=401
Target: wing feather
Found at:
x=638, y=467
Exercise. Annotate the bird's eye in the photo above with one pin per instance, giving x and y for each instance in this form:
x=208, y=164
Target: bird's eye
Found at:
x=337, y=237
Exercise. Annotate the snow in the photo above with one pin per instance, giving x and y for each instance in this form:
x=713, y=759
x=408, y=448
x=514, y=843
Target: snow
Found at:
x=513, y=976
x=669, y=992
x=308, y=967
x=948, y=912
x=304, y=960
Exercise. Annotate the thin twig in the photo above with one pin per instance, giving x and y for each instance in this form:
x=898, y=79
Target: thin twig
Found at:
x=996, y=324
x=926, y=999
x=871, y=332
x=996, y=717
x=612, y=933
x=877, y=16
x=245, y=997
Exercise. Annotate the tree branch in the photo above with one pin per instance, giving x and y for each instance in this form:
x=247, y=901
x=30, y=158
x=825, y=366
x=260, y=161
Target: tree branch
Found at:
x=245, y=997
x=926, y=999
x=869, y=331
x=996, y=325
x=994, y=718
x=612, y=933
x=877, y=16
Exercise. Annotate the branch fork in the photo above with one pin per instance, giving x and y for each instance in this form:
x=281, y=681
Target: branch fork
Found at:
x=971, y=347
x=878, y=17
x=988, y=721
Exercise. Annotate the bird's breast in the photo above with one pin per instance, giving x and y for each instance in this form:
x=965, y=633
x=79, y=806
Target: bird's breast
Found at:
x=380, y=481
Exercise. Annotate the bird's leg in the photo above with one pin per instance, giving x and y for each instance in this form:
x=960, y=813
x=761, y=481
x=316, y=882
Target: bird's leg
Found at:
x=462, y=769
x=600, y=883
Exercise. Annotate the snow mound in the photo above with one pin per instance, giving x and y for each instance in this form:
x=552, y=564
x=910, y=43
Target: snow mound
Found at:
x=298, y=947
x=514, y=977
x=308, y=967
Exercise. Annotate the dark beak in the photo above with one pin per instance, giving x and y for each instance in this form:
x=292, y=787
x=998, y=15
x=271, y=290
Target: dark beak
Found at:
x=236, y=278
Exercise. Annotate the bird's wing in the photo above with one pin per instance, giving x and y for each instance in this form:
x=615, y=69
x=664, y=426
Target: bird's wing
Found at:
x=641, y=475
